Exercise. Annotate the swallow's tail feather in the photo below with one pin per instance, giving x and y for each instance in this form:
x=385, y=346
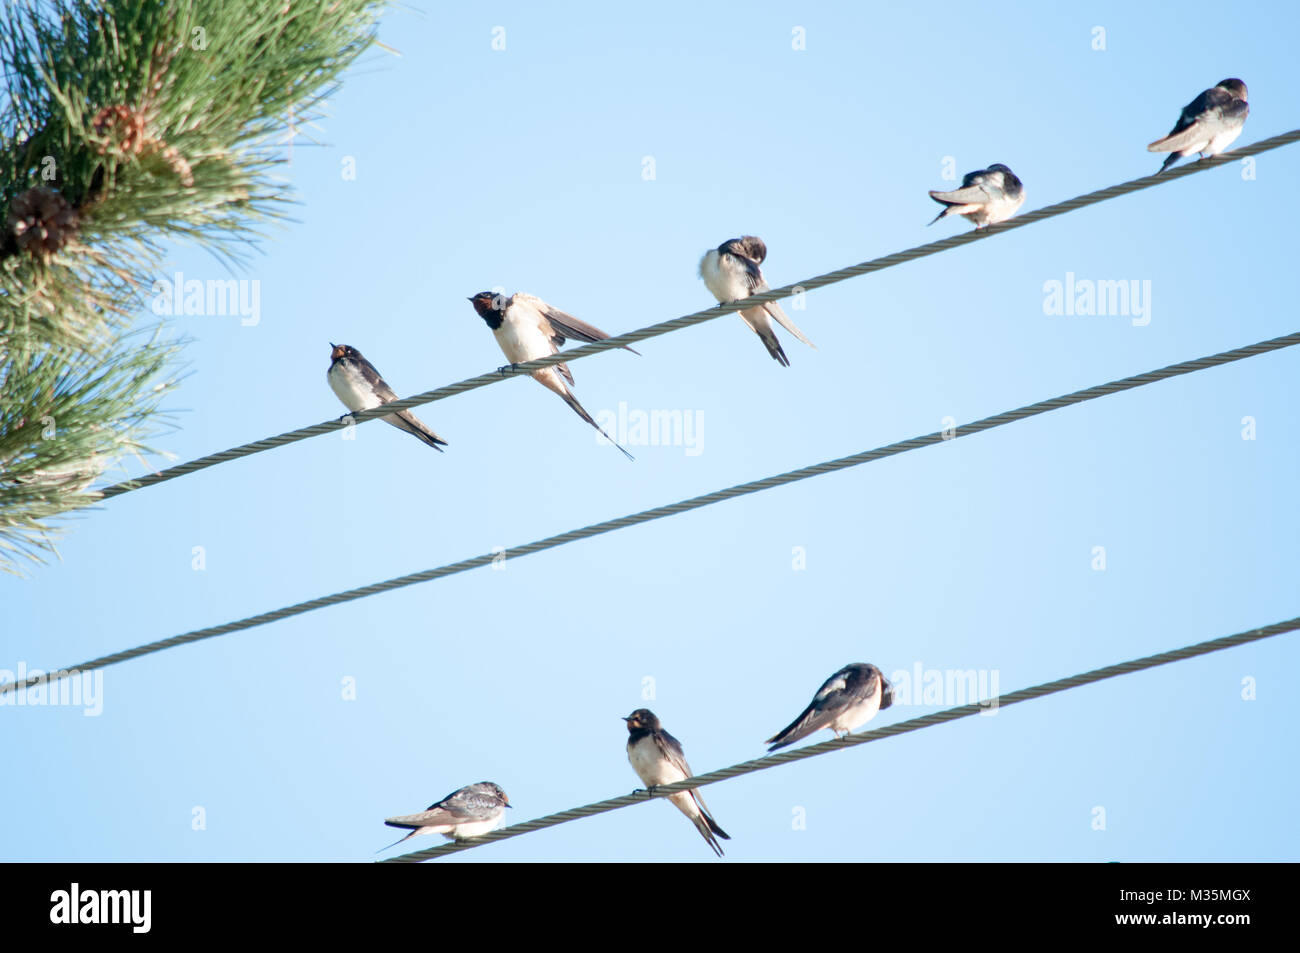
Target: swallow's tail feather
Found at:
x=582, y=412
x=1169, y=160
x=704, y=824
x=399, y=840
x=407, y=421
x=775, y=311
x=800, y=728
x=758, y=322
x=946, y=210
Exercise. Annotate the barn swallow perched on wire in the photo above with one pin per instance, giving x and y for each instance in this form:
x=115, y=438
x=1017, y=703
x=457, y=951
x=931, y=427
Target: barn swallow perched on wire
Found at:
x=470, y=812
x=986, y=197
x=1208, y=124
x=731, y=273
x=848, y=699
x=527, y=328
x=657, y=758
x=356, y=382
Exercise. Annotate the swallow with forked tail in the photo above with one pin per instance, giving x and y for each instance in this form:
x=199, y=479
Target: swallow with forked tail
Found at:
x=657, y=758
x=356, y=382
x=1208, y=124
x=731, y=272
x=847, y=700
x=470, y=812
x=527, y=328
x=985, y=198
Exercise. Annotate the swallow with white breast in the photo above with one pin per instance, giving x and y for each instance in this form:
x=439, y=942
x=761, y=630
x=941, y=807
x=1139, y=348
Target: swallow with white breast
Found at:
x=985, y=198
x=657, y=758
x=731, y=272
x=1208, y=124
x=527, y=328
x=358, y=385
x=847, y=700
x=470, y=812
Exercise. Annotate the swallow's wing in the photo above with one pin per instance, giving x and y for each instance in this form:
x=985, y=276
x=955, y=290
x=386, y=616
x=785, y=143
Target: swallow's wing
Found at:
x=469, y=805
x=559, y=325
x=436, y=816
x=977, y=188
x=846, y=688
x=1210, y=113
x=377, y=383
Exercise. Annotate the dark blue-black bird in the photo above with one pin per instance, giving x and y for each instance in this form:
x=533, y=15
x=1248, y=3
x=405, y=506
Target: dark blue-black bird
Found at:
x=1208, y=124
x=986, y=197
x=847, y=700
x=657, y=758
x=473, y=810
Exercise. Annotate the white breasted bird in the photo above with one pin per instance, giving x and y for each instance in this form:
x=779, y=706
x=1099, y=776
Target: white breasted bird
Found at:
x=847, y=700
x=657, y=758
x=731, y=272
x=1208, y=124
x=986, y=197
x=469, y=812
x=355, y=381
x=527, y=328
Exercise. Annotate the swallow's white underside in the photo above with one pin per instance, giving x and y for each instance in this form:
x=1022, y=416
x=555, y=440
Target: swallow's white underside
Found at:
x=858, y=715
x=521, y=339
x=654, y=769
x=350, y=387
x=462, y=830
x=991, y=212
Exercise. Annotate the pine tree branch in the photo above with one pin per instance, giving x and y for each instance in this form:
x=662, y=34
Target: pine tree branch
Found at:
x=125, y=126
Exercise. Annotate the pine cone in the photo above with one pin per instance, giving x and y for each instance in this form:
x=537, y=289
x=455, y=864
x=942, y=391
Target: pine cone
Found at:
x=126, y=126
x=42, y=221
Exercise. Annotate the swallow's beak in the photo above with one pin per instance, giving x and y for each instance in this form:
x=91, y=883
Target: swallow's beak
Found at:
x=508, y=804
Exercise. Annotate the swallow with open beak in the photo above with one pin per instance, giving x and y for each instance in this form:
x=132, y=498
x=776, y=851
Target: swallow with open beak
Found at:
x=847, y=700
x=985, y=198
x=527, y=328
x=657, y=758
x=731, y=272
x=356, y=382
x=470, y=812
x=1208, y=124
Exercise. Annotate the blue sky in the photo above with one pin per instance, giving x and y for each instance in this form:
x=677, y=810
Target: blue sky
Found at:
x=523, y=168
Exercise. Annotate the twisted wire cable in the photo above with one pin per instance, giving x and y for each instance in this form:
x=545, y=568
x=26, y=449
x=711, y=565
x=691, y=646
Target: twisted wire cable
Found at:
x=699, y=317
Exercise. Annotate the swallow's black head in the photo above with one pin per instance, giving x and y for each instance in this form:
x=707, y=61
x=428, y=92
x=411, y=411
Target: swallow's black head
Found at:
x=643, y=719
x=1234, y=86
x=489, y=307
x=1011, y=183
x=490, y=788
x=343, y=350
x=747, y=246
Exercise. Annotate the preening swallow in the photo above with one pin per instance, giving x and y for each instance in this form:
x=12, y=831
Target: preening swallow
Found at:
x=986, y=197
x=731, y=273
x=356, y=382
x=1208, y=124
x=657, y=758
x=470, y=812
x=847, y=700
x=527, y=328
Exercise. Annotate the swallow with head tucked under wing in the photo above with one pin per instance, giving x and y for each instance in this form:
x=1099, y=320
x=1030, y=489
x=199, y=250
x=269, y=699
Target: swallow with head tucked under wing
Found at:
x=470, y=812
x=1208, y=124
x=358, y=385
x=847, y=700
x=657, y=758
x=985, y=198
x=731, y=272
x=527, y=328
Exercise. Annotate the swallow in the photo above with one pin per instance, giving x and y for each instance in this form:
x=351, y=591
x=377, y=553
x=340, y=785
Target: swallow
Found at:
x=1208, y=124
x=527, y=328
x=470, y=812
x=986, y=197
x=657, y=759
x=848, y=699
x=356, y=382
x=731, y=273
